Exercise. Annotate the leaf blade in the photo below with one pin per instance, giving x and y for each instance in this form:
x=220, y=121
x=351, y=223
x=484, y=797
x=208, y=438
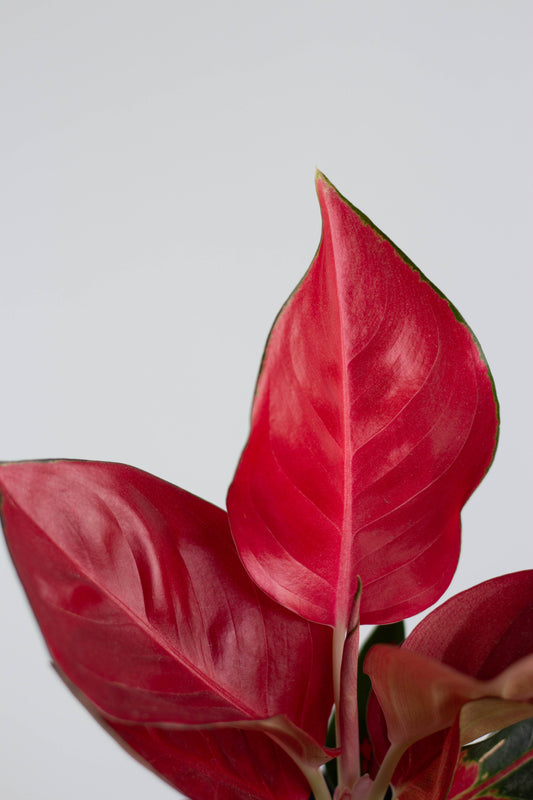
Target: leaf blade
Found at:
x=374, y=419
x=237, y=764
x=144, y=603
x=480, y=634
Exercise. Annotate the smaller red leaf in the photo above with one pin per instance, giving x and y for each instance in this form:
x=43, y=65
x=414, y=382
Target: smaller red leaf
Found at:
x=433, y=778
x=482, y=630
x=474, y=655
x=420, y=696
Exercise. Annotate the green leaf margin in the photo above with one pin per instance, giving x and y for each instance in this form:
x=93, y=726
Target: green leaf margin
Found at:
x=505, y=763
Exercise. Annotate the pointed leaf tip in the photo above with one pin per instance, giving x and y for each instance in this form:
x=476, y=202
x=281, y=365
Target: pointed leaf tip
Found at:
x=373, y=421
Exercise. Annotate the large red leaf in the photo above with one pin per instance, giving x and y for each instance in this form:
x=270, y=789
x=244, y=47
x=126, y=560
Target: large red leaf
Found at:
x=146, y=607
x=482, y=633
x=374, y=419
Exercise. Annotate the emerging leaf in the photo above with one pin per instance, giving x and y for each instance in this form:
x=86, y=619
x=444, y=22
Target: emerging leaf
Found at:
x=374, y=419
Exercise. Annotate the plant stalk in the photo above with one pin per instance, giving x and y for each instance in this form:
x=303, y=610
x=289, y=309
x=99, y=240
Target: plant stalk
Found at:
x=386, y=771
x=317, y=782
x=339, y=635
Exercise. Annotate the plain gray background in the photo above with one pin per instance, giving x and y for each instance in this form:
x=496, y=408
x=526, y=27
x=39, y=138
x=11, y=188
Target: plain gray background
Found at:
x=157, y=207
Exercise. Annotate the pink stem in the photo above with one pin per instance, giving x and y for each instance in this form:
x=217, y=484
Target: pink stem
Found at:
x=349, y=766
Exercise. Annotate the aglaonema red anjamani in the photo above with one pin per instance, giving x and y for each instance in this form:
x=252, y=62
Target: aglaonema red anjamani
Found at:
x=215, y=645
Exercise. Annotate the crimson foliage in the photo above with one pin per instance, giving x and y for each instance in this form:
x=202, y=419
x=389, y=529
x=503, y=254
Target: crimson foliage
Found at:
x=214, y=645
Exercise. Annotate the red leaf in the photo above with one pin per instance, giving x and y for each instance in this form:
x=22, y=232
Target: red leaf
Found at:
x=146, y=607
x=482, y=630
x=420, y=696
x=482, y=633
x=226, y=763
x=432, y=779
x=222, y=763
x=373, y=421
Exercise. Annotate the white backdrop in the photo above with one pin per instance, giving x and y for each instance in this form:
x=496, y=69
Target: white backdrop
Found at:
x=157, y=207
